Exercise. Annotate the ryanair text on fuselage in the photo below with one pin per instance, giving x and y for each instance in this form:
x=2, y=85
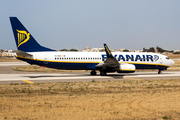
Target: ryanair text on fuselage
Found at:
x=137, y=57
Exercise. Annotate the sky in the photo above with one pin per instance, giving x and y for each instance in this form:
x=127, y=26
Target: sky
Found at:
x=66, y=24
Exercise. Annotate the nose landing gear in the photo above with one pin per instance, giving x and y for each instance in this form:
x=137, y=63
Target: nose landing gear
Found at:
x=160, y=71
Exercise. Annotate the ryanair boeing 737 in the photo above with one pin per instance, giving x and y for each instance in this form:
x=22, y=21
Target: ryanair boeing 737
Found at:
x=31, y=51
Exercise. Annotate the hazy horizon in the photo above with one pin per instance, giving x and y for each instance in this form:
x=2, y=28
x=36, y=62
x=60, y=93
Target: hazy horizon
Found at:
x=77, y=24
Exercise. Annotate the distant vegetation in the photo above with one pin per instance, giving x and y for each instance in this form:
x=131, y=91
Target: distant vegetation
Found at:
x=158, y=49
x=125, y=50
x=68, y=50
x=176, y=52
x=151, y=49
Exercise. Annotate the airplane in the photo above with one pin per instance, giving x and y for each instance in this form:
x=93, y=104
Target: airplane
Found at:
x=30, y=51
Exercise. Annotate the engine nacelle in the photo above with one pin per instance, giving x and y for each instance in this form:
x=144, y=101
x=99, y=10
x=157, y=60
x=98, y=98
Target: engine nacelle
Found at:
x=126, y=68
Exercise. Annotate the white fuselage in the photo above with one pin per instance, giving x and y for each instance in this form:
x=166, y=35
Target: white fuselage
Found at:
x=86, y=60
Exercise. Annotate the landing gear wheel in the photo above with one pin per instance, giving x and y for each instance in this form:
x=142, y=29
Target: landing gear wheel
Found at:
x=103, y=73
x=93, y=72
x=159, y=72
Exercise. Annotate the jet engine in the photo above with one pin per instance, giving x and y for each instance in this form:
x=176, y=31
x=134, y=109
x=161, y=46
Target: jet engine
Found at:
x=126, y=68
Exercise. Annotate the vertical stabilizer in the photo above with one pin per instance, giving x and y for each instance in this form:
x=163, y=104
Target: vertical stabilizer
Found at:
x=24, y=40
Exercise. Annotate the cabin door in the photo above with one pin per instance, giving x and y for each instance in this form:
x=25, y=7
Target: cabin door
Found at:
x=45, y=59
x=161, y=61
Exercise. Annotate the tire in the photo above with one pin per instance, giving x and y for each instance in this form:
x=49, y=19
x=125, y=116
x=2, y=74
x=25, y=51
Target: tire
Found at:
x=93, y=72
x=103, y=73
x=159, y=72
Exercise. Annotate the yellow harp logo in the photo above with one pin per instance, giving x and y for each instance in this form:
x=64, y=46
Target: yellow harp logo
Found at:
x=23, y=37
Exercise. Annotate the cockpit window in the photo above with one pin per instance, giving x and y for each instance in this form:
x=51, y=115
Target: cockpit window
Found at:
x=167, y=58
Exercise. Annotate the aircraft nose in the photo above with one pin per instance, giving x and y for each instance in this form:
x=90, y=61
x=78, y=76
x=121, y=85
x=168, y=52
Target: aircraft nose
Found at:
x=172, y=62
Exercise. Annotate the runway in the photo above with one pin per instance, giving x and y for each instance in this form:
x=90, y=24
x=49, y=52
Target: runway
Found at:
x=7, y=75
x=13, y=63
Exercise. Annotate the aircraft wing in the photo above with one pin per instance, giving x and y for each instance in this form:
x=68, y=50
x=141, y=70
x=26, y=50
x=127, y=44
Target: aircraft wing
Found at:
x=110, y=62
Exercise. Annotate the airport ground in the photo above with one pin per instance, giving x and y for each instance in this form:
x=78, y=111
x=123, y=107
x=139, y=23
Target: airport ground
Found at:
x=72, y=95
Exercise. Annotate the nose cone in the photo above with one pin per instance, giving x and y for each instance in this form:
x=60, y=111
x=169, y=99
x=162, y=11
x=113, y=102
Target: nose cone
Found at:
x=172, y=63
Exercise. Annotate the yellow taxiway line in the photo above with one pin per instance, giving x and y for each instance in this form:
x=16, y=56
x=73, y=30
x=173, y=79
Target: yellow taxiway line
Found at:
x=28, y=81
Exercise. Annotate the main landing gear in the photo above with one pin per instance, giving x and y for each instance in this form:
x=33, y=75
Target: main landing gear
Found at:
x=102, y=73
x=93, y=72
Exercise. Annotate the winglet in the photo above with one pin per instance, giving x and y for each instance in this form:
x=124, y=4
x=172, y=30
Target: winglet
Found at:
x=108, y=52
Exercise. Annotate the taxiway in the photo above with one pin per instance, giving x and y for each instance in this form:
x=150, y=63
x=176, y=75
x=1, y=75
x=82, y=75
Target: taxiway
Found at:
x=7, y=75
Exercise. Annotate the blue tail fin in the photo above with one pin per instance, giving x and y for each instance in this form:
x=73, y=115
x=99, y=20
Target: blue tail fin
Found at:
x=24, y=40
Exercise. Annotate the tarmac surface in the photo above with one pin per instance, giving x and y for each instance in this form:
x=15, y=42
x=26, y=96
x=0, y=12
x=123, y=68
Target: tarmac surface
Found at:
x=8, y=76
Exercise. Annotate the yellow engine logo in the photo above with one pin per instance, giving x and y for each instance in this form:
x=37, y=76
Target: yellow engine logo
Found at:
x=23, y=37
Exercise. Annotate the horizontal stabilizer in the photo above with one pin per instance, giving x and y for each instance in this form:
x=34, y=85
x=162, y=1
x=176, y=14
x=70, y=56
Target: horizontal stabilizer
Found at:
x=21, y=53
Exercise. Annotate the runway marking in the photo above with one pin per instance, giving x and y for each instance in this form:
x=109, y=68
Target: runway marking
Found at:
x=28, y=81
x=131, y=78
